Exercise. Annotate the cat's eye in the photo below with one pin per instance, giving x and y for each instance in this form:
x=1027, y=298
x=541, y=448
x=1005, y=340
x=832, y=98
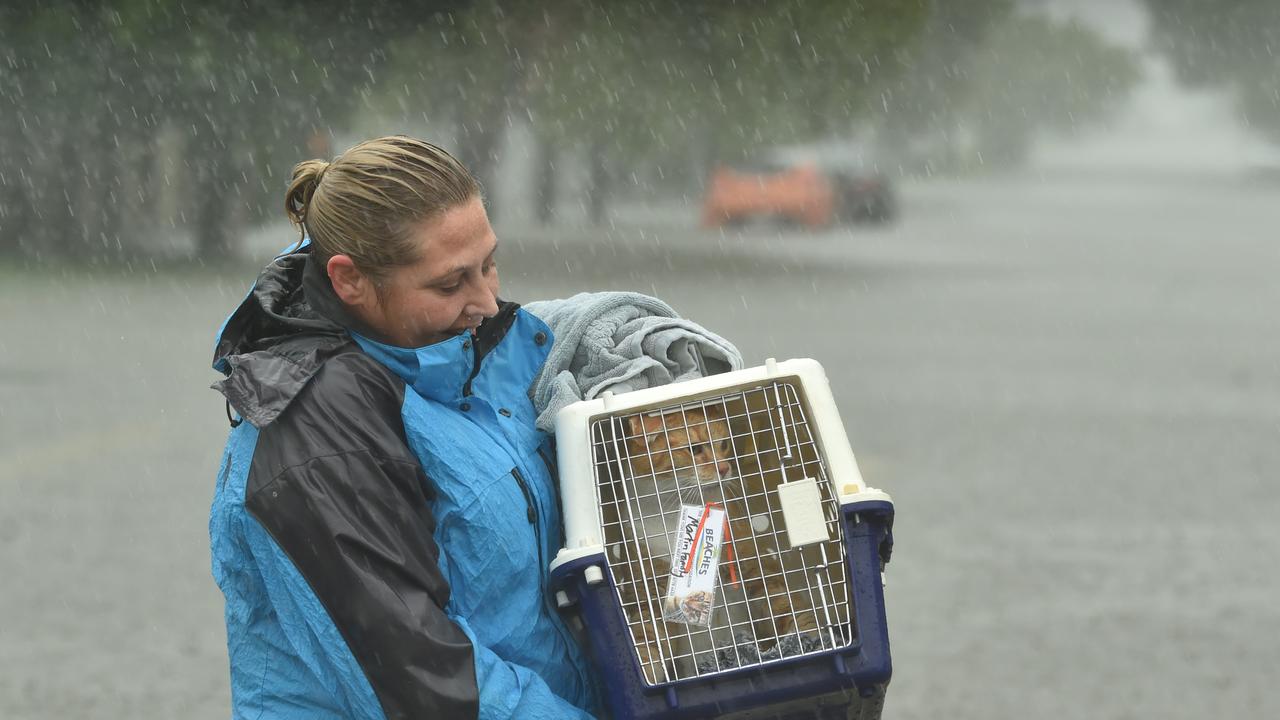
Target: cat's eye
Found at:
x=699, y=448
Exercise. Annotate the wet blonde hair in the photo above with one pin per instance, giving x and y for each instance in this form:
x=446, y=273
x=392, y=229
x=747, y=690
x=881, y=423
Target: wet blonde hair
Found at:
x=366, y=201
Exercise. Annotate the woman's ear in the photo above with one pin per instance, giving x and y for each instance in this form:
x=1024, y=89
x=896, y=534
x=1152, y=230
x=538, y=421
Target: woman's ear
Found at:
x=352, y=287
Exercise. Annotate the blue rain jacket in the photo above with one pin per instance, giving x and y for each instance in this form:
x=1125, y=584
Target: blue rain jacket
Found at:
x=384, y=518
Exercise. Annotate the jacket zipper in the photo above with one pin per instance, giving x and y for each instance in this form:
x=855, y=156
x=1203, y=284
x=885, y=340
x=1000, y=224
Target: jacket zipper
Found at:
x=553, y=472
x=537, y=529
x=533, y=518
x=528, y=499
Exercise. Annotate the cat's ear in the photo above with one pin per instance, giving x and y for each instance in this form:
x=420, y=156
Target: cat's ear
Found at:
x=713, y=412
x=645, y=426
x=635, y=428
x=656, y=424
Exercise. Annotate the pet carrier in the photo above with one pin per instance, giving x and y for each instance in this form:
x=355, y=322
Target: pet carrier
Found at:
x=723, y=556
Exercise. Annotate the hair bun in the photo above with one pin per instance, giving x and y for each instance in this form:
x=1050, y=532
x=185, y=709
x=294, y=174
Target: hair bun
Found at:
x=306, y=180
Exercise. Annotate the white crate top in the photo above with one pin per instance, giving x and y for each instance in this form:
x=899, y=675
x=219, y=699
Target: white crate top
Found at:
x=583, y=534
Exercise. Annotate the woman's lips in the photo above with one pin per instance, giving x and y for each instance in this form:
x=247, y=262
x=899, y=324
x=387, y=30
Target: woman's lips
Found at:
x=470, y=327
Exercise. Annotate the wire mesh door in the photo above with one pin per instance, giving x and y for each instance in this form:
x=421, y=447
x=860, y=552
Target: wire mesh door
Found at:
x=771, y=601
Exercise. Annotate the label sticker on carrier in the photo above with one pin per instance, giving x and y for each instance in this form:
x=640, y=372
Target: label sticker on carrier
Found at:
x=691, y=592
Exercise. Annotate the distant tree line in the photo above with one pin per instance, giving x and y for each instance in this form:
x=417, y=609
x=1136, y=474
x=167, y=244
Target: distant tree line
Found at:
x=129, y=120
x=984, y=79
x=1233, y=44
x=99, y=98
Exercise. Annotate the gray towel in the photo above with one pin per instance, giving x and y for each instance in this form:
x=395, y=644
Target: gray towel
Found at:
x=619, y=341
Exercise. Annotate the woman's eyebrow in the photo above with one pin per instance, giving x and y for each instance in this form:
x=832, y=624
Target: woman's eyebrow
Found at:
x=461, y=267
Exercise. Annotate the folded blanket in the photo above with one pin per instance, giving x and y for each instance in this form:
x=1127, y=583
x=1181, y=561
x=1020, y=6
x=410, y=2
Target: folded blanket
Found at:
x=620, y=341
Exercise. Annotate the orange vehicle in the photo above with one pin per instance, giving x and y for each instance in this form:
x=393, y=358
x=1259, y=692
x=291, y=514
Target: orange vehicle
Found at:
x=802, y=194
x=812, y=186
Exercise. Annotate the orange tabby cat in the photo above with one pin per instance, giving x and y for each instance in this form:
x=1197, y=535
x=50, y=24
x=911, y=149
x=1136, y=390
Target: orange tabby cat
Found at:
x=680, y=458
x=684, y=458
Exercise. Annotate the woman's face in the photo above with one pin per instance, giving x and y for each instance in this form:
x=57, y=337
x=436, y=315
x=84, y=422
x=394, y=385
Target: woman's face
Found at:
x=452, y=287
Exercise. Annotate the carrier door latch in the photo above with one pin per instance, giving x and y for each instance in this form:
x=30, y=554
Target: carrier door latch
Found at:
x=802, y=512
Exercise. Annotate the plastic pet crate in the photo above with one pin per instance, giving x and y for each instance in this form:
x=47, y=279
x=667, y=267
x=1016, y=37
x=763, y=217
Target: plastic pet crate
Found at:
x=723, y=556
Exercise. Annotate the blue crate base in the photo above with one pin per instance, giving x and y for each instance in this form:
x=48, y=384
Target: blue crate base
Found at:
x=848, y=682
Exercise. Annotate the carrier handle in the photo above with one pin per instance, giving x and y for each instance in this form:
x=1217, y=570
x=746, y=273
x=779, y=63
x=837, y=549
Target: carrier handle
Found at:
x=868, y=529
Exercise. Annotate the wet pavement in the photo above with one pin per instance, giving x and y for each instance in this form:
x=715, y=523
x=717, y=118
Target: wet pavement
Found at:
x=1070, y=386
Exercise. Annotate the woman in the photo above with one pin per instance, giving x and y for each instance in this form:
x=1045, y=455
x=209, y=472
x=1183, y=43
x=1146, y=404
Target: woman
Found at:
x=386, y=509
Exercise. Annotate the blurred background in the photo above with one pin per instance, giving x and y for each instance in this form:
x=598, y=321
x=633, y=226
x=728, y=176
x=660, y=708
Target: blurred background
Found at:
x=1032, y=241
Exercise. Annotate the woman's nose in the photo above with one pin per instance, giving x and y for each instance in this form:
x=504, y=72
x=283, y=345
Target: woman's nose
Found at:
x=485, y=301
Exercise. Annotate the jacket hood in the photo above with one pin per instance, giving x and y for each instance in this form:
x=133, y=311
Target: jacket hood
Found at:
x=276, y=340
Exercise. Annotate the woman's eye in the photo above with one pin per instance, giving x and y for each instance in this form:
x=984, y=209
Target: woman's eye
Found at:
x=450, y=289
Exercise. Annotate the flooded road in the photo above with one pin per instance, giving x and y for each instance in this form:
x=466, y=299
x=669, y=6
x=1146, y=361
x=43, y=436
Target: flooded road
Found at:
x=1070, y=386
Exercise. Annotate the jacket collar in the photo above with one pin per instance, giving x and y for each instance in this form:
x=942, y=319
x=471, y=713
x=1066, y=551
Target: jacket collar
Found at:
x=502, y=351
x=438, y=371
